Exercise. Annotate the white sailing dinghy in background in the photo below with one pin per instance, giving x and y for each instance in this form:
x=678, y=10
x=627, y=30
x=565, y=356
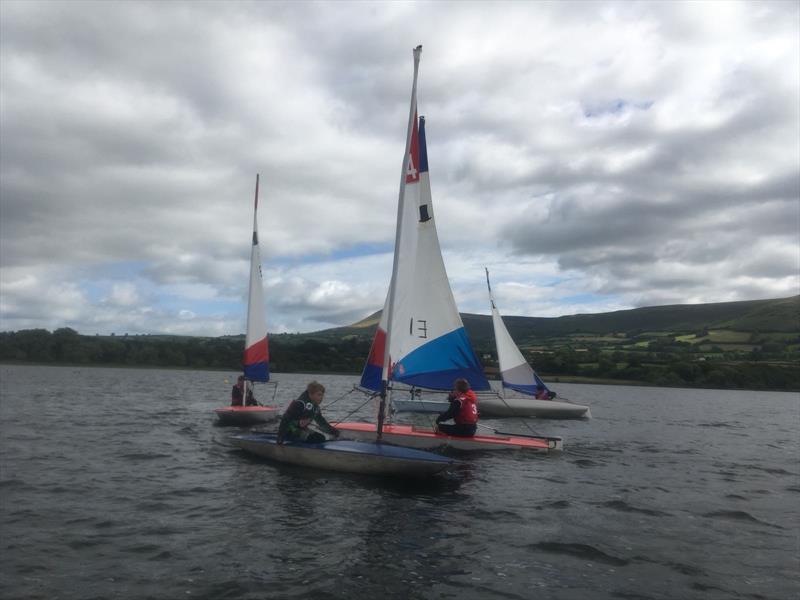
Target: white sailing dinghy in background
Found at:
x=519, y=376
x=256, y=347
x=421, y=341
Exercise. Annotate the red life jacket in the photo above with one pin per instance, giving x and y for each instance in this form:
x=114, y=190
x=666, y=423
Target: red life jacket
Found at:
x=468, y=413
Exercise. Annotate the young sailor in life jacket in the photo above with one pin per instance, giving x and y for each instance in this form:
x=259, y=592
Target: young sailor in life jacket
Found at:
x=300, y=414
x=238, y=392
x=463, y=410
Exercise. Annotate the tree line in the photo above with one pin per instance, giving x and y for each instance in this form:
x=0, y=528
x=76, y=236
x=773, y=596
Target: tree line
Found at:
x=303, y=353
x=291, y=353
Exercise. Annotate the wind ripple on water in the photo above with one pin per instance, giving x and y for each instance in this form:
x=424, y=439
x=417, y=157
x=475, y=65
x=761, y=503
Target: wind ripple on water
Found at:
x=623, y=506
x=582, y=551
x=739, y=515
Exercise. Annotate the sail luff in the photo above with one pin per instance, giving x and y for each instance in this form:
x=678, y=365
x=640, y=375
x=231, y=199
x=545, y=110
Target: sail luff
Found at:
x=489, y=285
x=389, y=307
x=256, y=349
x=412, y=117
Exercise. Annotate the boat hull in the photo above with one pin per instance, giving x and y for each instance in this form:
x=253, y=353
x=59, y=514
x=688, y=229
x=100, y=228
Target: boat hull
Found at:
x=428, y=439
x=497, y=407
x=530, y=407
x=346, y=456
x=246, y=415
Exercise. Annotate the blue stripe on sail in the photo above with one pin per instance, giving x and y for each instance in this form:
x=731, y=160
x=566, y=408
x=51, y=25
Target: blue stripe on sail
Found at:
x=531, y=390
x=257, y=371
x=539, y=381
x=371, y=377
x=439, y=362
x=423, y=149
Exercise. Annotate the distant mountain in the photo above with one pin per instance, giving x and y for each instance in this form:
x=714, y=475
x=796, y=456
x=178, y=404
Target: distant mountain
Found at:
x=780, y=315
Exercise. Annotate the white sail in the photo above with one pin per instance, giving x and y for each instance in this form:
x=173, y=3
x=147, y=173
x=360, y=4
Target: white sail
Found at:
x=256, y=349
x=516, y=373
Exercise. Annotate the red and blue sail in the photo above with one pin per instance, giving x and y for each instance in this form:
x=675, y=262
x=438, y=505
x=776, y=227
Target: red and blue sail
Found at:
x=256, y=347
x=428, y=345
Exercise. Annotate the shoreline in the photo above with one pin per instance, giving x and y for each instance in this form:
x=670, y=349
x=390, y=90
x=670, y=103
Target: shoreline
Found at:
x=550, y=379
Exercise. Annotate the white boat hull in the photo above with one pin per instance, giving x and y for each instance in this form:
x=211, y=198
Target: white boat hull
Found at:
x=246, y=415
x=428, y=439
x=530, y=407
x=346, y=456
x=493, y=407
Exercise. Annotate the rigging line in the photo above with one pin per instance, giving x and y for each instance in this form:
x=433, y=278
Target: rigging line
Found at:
x=432, y=421
x=525, y=423
x=272, y=384
x=274, y=393
x=329, y=404
x=529, y=428
x=352, y=412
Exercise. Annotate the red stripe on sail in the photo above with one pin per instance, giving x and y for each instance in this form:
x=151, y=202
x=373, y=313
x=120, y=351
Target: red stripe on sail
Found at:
x=257, y=353
x=376, y=352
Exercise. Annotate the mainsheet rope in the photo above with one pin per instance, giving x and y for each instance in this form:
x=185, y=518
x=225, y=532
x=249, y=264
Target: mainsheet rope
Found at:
x=370, y=397
x=521, y=420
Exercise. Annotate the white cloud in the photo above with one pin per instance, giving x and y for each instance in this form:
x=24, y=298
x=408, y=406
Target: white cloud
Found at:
x=124, y=294
x=596, y=159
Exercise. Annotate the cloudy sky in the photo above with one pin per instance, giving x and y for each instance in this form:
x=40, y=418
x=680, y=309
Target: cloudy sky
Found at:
x=594, y=155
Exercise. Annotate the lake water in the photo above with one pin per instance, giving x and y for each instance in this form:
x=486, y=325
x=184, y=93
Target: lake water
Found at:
x=116, y=483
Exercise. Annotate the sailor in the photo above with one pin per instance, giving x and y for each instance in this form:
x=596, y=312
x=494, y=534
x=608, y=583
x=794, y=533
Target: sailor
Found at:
x=463, y=410
x=237, y=393
x=299, y=415
x=542, y=393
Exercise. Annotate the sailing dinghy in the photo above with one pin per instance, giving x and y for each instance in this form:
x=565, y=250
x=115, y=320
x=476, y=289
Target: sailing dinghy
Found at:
x=369, y=457
x=256, y=349
x=520, y=377
x=421, y=341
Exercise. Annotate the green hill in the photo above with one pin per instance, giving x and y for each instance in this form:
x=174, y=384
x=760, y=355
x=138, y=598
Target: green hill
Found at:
x=752, y=345
x=780, y=315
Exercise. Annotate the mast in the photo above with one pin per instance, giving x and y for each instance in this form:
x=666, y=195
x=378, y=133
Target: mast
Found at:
x=489, y=285
x=247, y=382
x=412, y=115
x=494, y=308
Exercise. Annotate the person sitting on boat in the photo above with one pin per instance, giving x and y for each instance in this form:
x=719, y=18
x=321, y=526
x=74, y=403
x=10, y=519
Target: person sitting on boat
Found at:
x=301, y=412
x=542, y=393
x=463, y=410
x=237, y=393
